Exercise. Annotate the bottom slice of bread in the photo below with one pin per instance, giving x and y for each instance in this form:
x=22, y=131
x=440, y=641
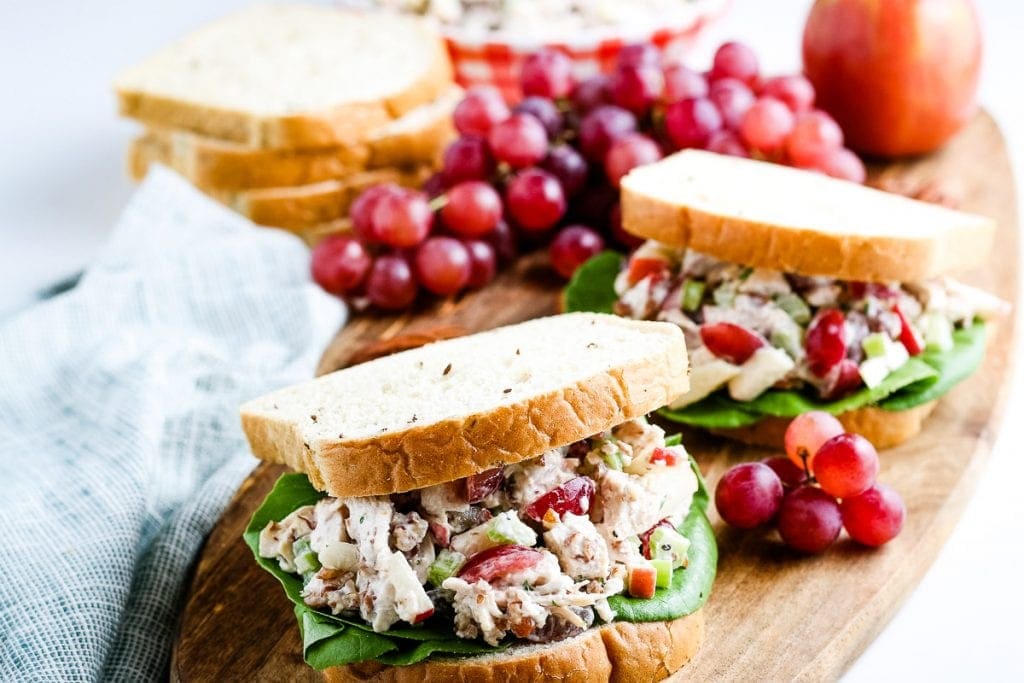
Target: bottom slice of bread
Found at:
x=620, y=652
x=883, y=428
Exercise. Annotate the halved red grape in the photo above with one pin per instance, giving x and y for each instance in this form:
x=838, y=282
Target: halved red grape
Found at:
x=601, y=127
x=483, y=263
x=846, y=465
x=732, y=342
x=636, y=88
x=826, y=341
x=683, y=83
x=403, y=218
x=814, y=134
x=473, y=209
x=545, y=111
x=874, y=517
x=841, y=380
x=547, y=73
x=479, y=486
x=767, y=124
x=909, y=336
x=493, y=563
x=442, y=265
x=748, y=495
x=481, y=108
x=735, y=60
x=690, y=122
x=733, y=98
x=795, y=90
x=809, y=520
x=390, y=284
x=467, y=158
x=535, y=200
x=520, y=141
x=339, y=264
x=572, y=247
x=628, y=152
x=574, y=497
x=566, y=164
x=790, y=475
x=805, y=435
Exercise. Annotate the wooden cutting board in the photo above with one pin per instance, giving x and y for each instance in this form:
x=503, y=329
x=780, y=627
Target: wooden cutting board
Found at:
x=772, y=615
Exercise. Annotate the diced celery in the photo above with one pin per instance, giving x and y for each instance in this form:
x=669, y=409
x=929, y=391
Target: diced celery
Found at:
x=788, y=340
x=937, y=330
x=693, y=294
x=663, y=578
x=795, y=307
x=876, y=345
x=508, y=529
x=669, y=544
x=305, y=559
x=724, y=294
x=447, y=563
x=613, y=459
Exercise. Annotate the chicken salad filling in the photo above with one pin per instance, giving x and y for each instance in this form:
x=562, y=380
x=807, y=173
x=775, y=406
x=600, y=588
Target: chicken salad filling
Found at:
x=527, y=552
x=750, y=330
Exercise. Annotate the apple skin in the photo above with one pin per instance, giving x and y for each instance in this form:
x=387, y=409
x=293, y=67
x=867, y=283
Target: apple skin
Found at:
x=899, y=76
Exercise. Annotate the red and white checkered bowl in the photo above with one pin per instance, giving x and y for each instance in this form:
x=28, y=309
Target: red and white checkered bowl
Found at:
x=498, y=63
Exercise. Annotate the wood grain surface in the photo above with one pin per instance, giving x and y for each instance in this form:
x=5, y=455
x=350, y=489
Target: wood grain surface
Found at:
x=772, y=615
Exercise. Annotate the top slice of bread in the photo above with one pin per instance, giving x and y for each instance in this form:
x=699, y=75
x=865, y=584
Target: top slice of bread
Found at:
x=772, y=216
x=290, y=76
x=461, y=406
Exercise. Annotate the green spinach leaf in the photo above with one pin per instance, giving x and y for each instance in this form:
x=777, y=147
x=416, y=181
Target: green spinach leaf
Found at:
x=592, y=287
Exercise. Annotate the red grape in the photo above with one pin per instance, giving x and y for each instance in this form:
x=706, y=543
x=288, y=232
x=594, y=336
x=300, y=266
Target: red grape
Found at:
x=909, y=336
x=814, y=134
x=535, y=200
x=825, y=341
x=734, y=343
x=481, y=108
x=726, y=142
x=520, y=141
x=467, y=158
x=572, y=247
x=543, y=110
x=390, y=284
x=547, y=73
x=592, y=93
x=846, y=465
x=805, y=435
x=791, y=475
x=601, y=127
x=639, y=54
x=443, y=265
x=628, y=152
x=501, y=560
x=361, y=211
x=733, y=98
x=483, y=263
x=841, y=380
x=809, y=520
x=434, y=185
x=735, y=60
x=636, y=88
x=339, y=264
x=566, y=164
x=796, y=91
x=690, y=122
x=619, y=234
x=748, y=495
x=403, y=218
x=480, y=485
x=875, y=516
x=766, y=124
x=841, y=163
x=682, y=83
x=574, y=496
x=473, y=209
x=503, y=240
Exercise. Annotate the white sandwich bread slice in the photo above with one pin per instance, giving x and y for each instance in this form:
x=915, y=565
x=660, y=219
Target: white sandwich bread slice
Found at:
x=433, y=415
x=417, y=138
x=290, y=76
x=771, y=221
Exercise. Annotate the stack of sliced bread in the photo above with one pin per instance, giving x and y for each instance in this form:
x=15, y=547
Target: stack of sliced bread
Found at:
x=286, y=112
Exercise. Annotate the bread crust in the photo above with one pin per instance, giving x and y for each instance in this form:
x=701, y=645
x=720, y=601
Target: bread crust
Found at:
x=883, y=428
x=344, y=125
x=620, y=652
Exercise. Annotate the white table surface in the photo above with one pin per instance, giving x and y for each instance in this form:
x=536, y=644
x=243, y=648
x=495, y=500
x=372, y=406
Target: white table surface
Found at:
x=62, y=185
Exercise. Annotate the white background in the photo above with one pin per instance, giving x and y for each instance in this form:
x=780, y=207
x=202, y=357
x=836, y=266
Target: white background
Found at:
x=62, y=185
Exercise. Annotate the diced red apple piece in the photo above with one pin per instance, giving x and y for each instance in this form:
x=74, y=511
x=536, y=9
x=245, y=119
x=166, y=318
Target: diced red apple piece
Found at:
x=573, y=496
x=642, y=581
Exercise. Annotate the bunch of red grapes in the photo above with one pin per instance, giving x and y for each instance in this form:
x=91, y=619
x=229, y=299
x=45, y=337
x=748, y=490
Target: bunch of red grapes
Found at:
x=828, y=482
x=548, y=169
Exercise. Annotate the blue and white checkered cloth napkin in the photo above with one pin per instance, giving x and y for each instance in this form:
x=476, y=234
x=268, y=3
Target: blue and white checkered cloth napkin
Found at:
x=120, y=441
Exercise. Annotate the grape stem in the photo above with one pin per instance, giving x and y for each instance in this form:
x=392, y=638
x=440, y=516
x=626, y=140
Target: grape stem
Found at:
x=438, y=202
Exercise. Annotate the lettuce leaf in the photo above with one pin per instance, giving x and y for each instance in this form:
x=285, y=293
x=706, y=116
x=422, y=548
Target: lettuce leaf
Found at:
x=923, y=378
x=329, y=640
